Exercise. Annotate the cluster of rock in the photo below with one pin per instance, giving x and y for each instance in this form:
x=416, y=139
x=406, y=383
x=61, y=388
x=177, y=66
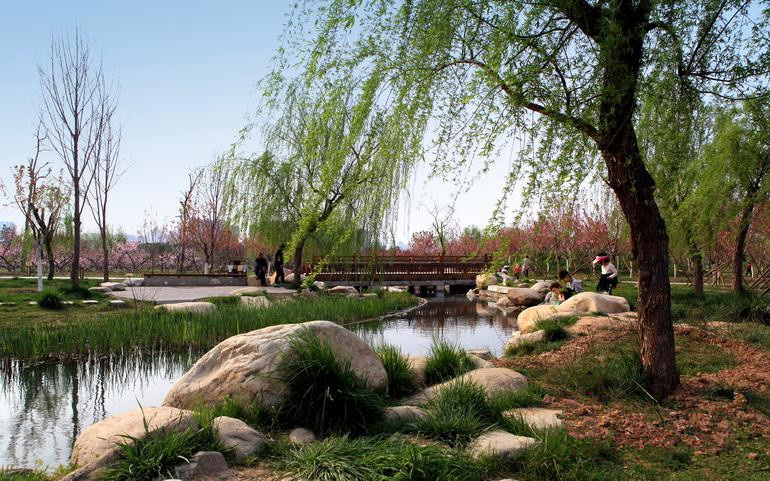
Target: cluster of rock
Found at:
x=243, y=368
x=107, y=287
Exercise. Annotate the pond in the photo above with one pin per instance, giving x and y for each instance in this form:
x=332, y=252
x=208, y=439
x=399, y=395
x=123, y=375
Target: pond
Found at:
x=45, y=406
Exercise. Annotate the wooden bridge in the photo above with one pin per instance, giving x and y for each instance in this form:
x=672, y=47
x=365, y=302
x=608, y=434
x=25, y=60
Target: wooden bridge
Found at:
x=423, y=273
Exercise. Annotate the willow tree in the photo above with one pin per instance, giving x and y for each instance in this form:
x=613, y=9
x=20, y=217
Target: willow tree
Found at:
x=478, y=71
x=324, y=171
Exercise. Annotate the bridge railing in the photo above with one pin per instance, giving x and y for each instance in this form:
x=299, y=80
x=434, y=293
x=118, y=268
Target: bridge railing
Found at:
x=398, y=268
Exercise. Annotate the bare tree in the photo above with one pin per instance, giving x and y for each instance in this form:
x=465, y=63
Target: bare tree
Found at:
x=152, y=236
x=211, y=209
x=41, y=198
x=185, y=219
x=77, y=104
x=443, y=223
x=107, y=172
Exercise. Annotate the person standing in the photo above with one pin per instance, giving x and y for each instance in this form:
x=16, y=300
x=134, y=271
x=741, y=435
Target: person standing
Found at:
x=260, y=268
x=609, y=278
x=525, y=267
x=278, y=262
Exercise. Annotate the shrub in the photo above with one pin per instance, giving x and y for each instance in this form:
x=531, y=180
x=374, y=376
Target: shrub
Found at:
x=401, y=380
x=50, y=299
x=554, y=327
x=325, y=394
x=79, y=292
x=446, y=361
x=458, y=413
x=366, y=459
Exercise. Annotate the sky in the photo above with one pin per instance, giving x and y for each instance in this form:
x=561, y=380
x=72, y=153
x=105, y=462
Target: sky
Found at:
x=187, y=73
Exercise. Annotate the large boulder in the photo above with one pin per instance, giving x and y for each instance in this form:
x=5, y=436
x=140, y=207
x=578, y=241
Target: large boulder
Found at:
x=500, y=444
x=492, y=379
x=536, y=417
x=403, y=414
x=485, y=280
x=529, y=317
x=594, y=302
x=193, y=307
x=342, y=290
x=113, y=286
x=518, y=338
x=243, y=366
x=249, y=291
x=541, y=286
x=102, y=437
x=524, y=296
x=99, y=290
x=239, y=436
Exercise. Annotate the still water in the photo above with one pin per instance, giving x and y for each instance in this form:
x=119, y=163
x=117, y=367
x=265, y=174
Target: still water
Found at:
x=44, y=407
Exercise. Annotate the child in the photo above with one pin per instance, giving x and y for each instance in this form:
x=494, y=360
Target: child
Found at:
x=517, y=270
x=609, y=279
x=554, y=296
x=571, y=286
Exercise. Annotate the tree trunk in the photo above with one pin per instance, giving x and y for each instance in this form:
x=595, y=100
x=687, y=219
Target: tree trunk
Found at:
x=740, y=246
x=75, y=271
x=298, y=264
x=105, y=258
x=697, y=276
x=49, y=255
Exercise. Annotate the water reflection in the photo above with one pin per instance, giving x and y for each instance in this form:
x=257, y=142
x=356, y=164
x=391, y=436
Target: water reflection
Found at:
x=44, y=407
x=468, y=324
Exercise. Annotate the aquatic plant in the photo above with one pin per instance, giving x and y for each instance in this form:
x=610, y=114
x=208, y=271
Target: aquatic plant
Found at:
x=446, y=361
x=401, y=380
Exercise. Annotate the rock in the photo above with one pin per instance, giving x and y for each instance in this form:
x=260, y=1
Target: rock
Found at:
x=418, y=363
x=239, y=436
x=493, y=379
x=504, y=302
x=99, y=290
x=255, y=302
x=485, y=280
x=537, y=418
x=99, y=438
x=528, y=318
x=90, y=302
x=66, y=303
x=344, y=290
x=403, y=414
x=94, y=471
x=523, y=285
x=500, y=444
x=471, y=294
x=302, y=436
x=195, y=307
x=243, y=366
x=525, y=338
x=133, y=281
x=542, y=286
x=320, y=285
x=202, y=463
x=290, y=278
x=479, y=363
x=251, y=290
x=113, y=286
x=587, y=324
x=594, y=302
x=32, y=303
x=485, y=354
x=498, y=289
x=524, y=297
x=117, y=303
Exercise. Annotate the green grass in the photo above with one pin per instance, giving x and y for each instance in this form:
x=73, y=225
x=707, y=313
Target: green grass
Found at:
x=446, y=361
x=50, y=299
x=33, y=475
x=695, y=357
x=160, y=330
x=756, y=334
x=377, y=459
x=324, y=393
x=555, y=327
x=401, y=380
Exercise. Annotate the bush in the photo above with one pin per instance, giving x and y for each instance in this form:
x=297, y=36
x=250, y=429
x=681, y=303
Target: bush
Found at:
x=50, y=299
x=401, y=380
x=325, y=394
x=458, y=413
x=156, y=453
x=554, y=327
x=743, y=308
x=367, y=459
x=79, y=292
x=446, y=361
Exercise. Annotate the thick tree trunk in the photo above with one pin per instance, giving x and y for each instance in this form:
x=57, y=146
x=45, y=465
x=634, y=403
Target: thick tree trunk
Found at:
x=740, y=247
x=49, y=256
x=298, y=264
x=697, y=276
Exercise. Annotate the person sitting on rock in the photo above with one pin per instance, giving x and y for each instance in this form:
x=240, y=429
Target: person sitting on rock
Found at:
x=609, y=278
x=571, y=286
x=554, y=296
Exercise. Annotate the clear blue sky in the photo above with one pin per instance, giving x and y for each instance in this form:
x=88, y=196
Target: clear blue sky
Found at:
x=187, y=72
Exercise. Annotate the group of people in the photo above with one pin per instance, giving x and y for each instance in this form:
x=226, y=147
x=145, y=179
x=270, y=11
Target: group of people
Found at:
x=261, y=267
x=519, y=270
x=568, y=286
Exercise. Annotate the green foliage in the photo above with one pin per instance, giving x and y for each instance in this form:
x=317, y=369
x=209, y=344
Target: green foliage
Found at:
x=253, y=414
x=531, y=395
x=150, y=329
x=744, y=308
x=554, y=327
x=458, y=413
x=401, y=380
x=694, y=357
x=324, y=393
x=79, y=292
x=224, y=301
x=376, y=459
x=32, y=475
x=50, y=299
x=156, y=453
x=446, y=361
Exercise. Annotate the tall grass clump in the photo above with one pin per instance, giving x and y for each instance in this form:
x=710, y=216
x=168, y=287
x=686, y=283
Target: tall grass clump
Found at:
x=254, y=414
x=458, y=413
x=446, y=361
x=401, y=380
x=50, y=299
x=743, y=308
x=324, y=393
x=145, y=328
x=156, y=453
x=367, y=459
x=531, y=395
x=555, y=327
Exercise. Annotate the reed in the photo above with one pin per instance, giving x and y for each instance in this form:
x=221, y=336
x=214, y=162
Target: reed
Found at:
x=145, y=328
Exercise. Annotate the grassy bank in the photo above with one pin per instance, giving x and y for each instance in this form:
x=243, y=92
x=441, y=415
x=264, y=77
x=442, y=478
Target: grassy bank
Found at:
x=144, y=327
